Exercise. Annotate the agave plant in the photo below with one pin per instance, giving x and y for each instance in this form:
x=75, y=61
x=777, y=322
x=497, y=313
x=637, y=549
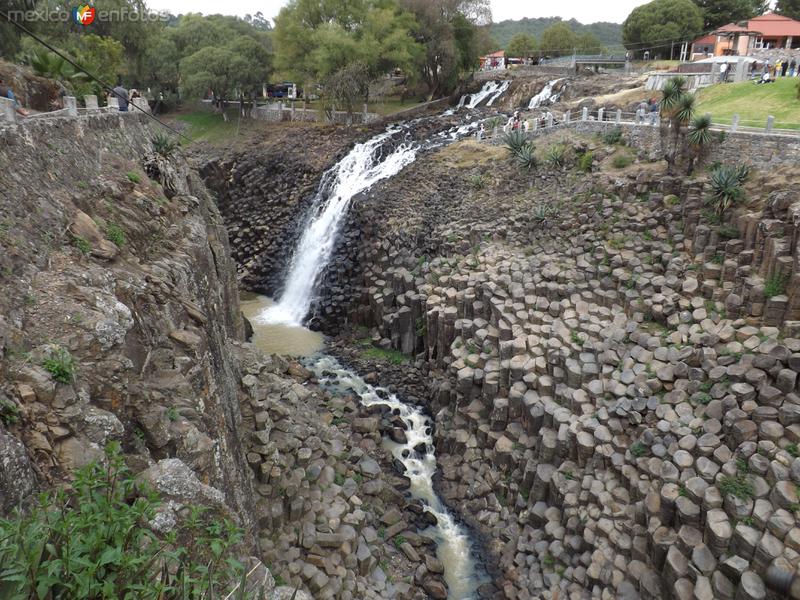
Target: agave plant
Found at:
x=164, y=145
x=515, y=141
x=526, y=157
x=556, y=156
x=726, y=187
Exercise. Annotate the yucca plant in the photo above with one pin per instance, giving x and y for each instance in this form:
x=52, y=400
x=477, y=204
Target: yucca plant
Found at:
x=556, y=156
x=699, y=138
x=677, y=111
x=526, y=157
x=164, y=145
x=514, y=141
x=726, y=187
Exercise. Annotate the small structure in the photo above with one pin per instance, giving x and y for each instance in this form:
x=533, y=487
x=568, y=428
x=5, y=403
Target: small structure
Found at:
x=495, y=60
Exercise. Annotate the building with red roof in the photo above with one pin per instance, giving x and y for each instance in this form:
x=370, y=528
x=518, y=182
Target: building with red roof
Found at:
x=767, y=31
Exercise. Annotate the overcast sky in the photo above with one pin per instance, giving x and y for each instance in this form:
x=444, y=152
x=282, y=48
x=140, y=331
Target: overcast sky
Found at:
x=585, y=11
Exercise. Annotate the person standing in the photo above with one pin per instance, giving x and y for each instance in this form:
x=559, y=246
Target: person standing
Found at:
x=723, y=72
x=792, y=67
x=121, y=94
x=653, y=111
x=784, y=67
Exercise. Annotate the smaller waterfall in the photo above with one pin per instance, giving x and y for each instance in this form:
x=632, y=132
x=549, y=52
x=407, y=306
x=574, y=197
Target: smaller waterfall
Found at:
x=365, y=165
x=453, y=545
x=546, y=96
x=499, y=92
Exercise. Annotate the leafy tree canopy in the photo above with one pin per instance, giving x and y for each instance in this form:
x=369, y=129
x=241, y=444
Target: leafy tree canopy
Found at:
x=609, y=34
x=657, y=25
x=789, y=8
x=717, y=13
x=521, y=45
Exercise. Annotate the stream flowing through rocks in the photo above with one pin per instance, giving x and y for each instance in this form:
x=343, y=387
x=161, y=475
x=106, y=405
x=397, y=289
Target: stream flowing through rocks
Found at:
x=278, y=326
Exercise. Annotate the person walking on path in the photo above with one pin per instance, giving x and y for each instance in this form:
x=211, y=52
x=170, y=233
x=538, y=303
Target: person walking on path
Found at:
x=121, y=94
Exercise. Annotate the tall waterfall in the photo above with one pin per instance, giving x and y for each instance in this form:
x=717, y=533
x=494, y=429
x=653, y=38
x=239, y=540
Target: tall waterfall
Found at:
x=363, y=166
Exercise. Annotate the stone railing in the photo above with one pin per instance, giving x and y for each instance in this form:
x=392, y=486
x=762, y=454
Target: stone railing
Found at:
x=10, y=118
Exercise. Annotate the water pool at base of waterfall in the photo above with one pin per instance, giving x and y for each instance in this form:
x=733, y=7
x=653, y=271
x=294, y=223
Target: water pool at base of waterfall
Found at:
x=278, y=338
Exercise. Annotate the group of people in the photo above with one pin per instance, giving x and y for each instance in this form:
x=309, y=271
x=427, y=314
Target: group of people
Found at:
x=781, y=68
x=647, y=111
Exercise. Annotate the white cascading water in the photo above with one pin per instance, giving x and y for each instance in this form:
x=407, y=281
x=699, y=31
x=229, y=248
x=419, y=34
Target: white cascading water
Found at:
x=545, y=96
x=454, y=547
x=355, y=173
x=498, y=92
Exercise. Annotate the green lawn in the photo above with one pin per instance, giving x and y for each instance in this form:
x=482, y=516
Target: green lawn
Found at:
x=210, y=127
x=753, y=103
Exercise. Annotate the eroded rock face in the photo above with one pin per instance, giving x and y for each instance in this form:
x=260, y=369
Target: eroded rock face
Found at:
x=17, y=478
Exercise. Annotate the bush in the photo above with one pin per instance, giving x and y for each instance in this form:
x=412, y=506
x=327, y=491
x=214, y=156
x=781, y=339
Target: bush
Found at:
x=585, y=162
x=92, y=542
x=621, y=161
x=164, y=145
x=60, y=365
x=115, y=234
x=9, y=412
x=556, y=156
x=726, y=186
x=737, y=485
x=613, y=137
x=775, y=285
x=133, y=177
x=477, y=181
x=82, y=244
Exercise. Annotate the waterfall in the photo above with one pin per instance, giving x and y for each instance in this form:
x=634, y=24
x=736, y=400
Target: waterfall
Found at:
x=545, y=96
x=499, y=92
x=363, y=166
x=454, y=547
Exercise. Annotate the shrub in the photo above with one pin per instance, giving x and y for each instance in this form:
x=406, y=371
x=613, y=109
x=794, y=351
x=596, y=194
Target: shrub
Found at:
x=585, y=162
x=638, y=449
x=60, y=365
x=736, y=485
x=613, y=137
x=82, y=244
x=93, y=543
x=556, y=156
x=775, y=285
x=133, y=177
x=727, y=232
x=621, y=161
x=393, y=356
x=164, y=145
x=526, y=157
x=115, y=234
x=477, y=181
x=9, y=412
x=726, y=186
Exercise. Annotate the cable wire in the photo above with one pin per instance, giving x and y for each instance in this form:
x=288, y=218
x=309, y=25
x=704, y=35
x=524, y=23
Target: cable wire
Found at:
x=104, y=85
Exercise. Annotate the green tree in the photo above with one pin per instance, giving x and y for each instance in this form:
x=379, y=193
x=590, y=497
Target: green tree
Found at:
x=558, y=40
x=588, y=43
x=452, y=37
x=522, y=45
x=660, y=24
x=789, y=8
x=315, y=39
x=717, y=13
x=241, y=66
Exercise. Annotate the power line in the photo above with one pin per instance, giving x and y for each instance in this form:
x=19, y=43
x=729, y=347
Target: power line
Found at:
x=105, y=86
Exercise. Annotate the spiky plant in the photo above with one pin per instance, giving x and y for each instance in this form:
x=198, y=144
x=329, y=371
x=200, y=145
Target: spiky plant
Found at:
x=514, y=141
x=526, y=157
x=164, y=145
x=726, y=188
x=699, y=138
x=556, y=156
x=677, y=111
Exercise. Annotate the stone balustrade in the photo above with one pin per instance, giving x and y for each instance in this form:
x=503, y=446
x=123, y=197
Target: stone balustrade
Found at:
x=9, y=116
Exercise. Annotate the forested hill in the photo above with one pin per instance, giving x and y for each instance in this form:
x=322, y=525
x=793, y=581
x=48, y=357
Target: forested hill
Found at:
x=610, y=34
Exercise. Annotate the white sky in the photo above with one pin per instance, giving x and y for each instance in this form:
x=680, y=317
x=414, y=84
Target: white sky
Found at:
x=585, y=11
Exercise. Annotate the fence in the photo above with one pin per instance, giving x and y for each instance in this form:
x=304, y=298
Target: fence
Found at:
x=9, y=116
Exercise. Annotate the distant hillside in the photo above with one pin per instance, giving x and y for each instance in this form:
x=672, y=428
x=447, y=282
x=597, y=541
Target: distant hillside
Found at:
x=610, y=34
